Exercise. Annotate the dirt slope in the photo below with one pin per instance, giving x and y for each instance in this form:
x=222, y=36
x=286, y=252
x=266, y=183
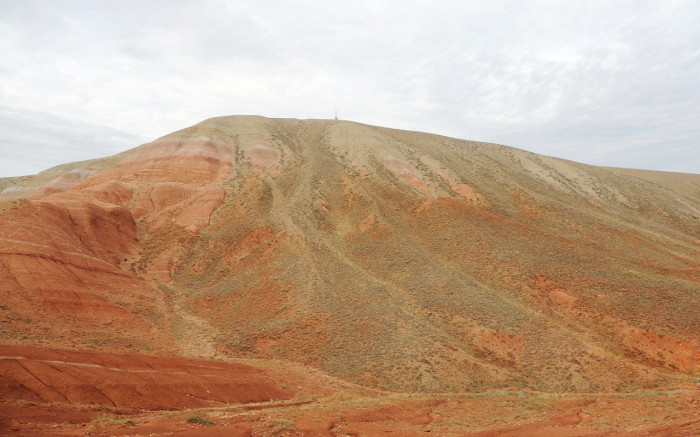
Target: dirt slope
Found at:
x=392, y=259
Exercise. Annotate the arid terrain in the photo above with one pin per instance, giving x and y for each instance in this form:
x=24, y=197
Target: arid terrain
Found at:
x=324, y=277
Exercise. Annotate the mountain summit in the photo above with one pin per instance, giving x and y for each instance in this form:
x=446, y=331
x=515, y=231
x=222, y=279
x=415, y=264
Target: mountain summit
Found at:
x=392, y=259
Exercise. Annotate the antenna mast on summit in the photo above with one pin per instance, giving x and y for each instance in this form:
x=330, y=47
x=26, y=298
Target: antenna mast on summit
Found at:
x=336, y=113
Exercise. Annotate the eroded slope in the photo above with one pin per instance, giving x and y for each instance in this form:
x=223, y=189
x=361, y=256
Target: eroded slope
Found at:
x=394, y=259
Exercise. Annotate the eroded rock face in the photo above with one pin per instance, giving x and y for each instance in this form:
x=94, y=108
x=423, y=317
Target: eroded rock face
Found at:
x=393, y=259
x=62, y=265
x=71, y=249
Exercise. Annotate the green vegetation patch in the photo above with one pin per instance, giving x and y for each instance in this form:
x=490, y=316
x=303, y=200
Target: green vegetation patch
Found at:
x=199, y=420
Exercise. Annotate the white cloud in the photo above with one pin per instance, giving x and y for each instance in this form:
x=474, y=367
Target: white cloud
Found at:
x=602, y=82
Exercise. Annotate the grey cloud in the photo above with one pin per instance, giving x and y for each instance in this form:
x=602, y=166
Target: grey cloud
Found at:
x=32, y=141
x=622, y=74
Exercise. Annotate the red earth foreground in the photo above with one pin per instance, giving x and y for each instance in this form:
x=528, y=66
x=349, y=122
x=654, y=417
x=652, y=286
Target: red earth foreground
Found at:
x=74, y=393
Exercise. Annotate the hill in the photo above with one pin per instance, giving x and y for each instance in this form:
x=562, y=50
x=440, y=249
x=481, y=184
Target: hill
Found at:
x=395, y=260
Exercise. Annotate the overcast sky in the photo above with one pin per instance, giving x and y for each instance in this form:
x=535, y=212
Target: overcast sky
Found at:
x=603, y=82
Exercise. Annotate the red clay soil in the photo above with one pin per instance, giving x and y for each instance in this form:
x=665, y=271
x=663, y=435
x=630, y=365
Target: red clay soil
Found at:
x=673, y=413
x=69, y=393
x=132, y=381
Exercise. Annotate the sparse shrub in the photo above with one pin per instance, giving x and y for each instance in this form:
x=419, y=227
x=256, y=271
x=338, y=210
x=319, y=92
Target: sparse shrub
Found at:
x=113, y=420
x=199, y=420
x=282, y=425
